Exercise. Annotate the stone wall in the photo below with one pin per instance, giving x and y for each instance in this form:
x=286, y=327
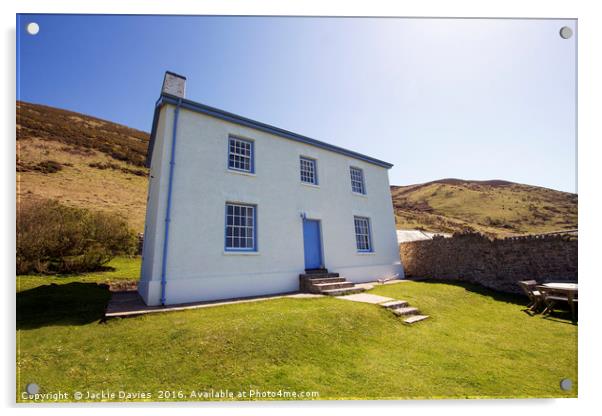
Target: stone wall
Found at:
x=497, y=264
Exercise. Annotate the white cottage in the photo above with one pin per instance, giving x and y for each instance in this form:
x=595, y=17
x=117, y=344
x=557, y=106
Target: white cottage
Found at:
x=238, y=208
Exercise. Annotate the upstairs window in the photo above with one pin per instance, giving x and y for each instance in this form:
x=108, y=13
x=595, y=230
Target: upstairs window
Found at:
x=363, y=239
x=309, y=173
x=240, y=155
x=241, y=227
x=357, y=181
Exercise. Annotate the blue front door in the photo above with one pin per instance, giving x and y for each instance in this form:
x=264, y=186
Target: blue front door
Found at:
x=312, y=244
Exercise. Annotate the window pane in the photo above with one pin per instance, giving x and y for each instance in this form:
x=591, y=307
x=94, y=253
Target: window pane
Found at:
x=240, y=154
x=308, y=171
x=357, y=180
x=240, y=231
x=362, y=234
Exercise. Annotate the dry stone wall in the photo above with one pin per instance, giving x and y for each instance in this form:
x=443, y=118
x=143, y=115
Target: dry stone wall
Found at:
x=497, y=264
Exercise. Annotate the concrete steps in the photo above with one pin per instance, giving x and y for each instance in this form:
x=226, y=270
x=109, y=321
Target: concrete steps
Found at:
x=409, y=310
x=415, y=318
x=318, y=275
x=394, y=304
x=320, y=281
x=333, y=285
x=343, y=292
x=327, y=280
x=402, y=309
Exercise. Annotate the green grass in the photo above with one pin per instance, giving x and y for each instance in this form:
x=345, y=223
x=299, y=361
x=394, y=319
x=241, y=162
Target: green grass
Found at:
x=477, y=344
x=120, y=268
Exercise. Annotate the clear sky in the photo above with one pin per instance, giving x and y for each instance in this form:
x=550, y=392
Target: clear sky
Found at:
x=438, y=98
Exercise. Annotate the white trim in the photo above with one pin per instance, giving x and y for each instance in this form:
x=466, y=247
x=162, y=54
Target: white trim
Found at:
x=240, y=198
x=240, y=172
x=362, y=182
x=314, y=170
x=358, y=194
x=250, y=157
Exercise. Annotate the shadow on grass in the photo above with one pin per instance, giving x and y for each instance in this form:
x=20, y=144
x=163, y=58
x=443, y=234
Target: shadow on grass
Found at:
x=66, y=304
x=562, y=316
x=558, y=315
x=481, y=290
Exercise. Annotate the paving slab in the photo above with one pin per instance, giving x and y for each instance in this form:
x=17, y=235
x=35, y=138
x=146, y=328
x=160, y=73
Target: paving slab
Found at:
x=129, y=303
x=408, y=310
x=415, y=318
x=366, y=298
x=365, y=286
x=393, y=304
x=395, y=281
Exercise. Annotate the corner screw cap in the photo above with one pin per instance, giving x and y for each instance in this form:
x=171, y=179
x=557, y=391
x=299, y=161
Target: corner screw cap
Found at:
x=33, y=28
x=32, y=388
x=566, y=32
x=566, y=384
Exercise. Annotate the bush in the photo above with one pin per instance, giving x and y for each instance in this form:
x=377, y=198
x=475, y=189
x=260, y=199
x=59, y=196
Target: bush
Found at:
x=114, y=166
x=45, y=166
x=49, y=166
x=53, y=238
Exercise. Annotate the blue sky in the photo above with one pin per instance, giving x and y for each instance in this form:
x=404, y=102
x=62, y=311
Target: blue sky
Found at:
x=463, y=98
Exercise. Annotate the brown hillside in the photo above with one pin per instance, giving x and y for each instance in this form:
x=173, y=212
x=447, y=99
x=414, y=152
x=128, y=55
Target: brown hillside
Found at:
x=496, y=207
x=85, y=161
x=81, y=161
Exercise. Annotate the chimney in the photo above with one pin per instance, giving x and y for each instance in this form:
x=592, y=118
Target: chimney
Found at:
x=174, y=84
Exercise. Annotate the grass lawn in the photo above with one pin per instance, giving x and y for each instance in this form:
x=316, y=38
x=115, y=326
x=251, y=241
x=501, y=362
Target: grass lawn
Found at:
x=120, y=268
x=477, y=344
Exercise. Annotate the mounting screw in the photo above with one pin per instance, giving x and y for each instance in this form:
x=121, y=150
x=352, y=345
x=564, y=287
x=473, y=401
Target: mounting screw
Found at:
x=566, y=384
x=566, y=32
x=32, y=388
x=33, y=28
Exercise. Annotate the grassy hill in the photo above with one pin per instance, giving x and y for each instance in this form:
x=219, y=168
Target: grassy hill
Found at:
x=81, y=161
x=92, y=163
x=494, y=207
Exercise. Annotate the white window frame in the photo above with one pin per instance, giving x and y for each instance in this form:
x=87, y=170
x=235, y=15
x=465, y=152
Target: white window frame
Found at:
x=311, y=174
x=363, y=234
x=361, y=181
x=242, y=156
x=239, y=227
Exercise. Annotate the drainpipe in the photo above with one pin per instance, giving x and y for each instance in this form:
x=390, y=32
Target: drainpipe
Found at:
x=168, y=209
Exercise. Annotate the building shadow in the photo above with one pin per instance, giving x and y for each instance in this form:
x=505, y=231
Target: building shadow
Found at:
x=66, y=304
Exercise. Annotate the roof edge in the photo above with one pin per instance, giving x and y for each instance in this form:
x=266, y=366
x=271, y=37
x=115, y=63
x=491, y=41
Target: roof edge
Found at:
x=235, y=118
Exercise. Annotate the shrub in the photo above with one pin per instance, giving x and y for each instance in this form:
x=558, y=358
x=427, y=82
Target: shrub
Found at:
x=114, y=166
x=53, y=238
x=45, y=166
x=48, y=166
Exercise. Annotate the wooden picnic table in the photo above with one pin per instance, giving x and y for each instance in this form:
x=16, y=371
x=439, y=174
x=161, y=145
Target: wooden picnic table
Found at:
x=569, y=290
x=561, y=286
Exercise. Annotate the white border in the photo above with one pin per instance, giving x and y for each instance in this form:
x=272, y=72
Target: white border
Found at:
x=590, y=35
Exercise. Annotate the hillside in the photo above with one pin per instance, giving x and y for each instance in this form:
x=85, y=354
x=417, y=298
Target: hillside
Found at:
x=494, y=207
x=84, y=161
x=81, y=161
